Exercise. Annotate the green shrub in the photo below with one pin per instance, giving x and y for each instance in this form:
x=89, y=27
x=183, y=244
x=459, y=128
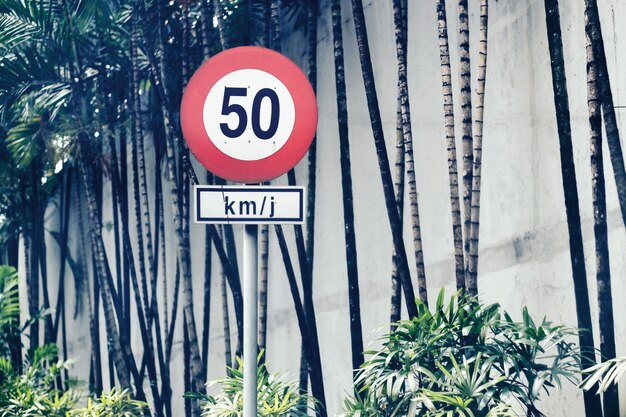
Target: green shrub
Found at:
x=276, y=396
x=9, y=310
x=464, y=359
x=115, y=404
x=32, y=393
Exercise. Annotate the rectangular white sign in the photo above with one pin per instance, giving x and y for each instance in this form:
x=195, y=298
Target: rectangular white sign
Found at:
x=248, y=204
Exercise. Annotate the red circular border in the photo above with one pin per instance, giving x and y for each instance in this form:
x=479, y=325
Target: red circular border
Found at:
x=192, y=122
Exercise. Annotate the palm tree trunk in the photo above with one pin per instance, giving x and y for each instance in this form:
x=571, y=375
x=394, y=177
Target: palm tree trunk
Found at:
x=448, y=109
x=228, y=355
x=169, y=340
x=472, y=287
x=396, y=284
x=124, y=215
x=188, y=384
x=610, y=398
x=381, y=151
x=312, y=350
x=466, y=127
x=197, y=367
x=98, y=249
x=313, y=12
x=593, y=29
x=568, y=174
x=354, y=297
x=401, y=52
x=143, y=187
x=93, y=328
x=263, y=278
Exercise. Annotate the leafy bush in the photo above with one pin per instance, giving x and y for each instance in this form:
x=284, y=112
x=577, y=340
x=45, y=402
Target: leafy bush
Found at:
x=9, y=310
x=115, y=404
x=277, y=396
x=464, y=359
x=33, y=394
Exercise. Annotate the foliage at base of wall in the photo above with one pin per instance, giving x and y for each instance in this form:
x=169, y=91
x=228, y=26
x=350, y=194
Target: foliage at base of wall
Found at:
x=277, y=396
x=35, y=392
x=465, y=359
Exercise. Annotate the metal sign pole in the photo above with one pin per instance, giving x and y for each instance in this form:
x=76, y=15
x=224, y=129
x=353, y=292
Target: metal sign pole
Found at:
x=250, y=285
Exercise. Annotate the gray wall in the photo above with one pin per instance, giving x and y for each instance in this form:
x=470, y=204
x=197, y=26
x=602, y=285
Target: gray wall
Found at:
x=524, y=259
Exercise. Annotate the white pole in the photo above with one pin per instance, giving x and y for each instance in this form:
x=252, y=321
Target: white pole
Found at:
x=250, y=265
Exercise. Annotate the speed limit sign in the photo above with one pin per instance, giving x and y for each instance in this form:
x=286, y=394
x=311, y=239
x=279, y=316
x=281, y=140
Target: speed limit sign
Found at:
x=249, y=114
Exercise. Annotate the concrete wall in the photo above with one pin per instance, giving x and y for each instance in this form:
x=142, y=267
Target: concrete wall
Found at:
x=524, y=258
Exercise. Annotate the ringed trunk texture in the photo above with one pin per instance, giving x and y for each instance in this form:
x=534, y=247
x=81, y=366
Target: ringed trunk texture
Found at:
x=401, y=52
x=568, y=174
x=354, y=297
x=466, y=127
x=593, y=30
x=312, y=351
x=453, y=175
x=396, y=285
x=472, y=287
x=610, y=398
x=381, y=151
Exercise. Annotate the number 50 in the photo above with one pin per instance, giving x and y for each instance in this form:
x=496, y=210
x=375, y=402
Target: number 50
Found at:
x=255, y=116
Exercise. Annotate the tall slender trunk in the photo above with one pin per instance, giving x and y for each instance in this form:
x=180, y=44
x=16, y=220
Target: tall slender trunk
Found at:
x=228, y=355
x=313, y=12
x=466, y=127
x=169, y=340
x=453, y=175
x=399, y=187
x=472, y=287
x=33, y=264
x=610, y=398
x=381, y=151
x=93, y=327
x=188, y=385
x=593, y=29
x=356, y=331
x=401, y=53
x=568, y=174
x=142, y=209
x=124, y=215
x=43, y=265
x=263, y=278
x=205, y=18
x=197, y=373
x=142, y=214
x=312, y=349
x=311, y=31
x=101, y=273
x=396, y=284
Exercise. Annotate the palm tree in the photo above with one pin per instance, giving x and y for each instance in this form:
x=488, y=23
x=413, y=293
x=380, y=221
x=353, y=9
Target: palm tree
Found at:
x=593, y=30
x=466, y=128
x=311, y=348
x=356, y=331
x=478, y=149
x=401, y=40
x=572, y=210
x=603, y=267
x=396, y=285
x=381, y=151
x=448, y=109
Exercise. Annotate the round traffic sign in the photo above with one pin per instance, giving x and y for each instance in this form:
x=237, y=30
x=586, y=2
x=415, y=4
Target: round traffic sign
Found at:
x=249, y=114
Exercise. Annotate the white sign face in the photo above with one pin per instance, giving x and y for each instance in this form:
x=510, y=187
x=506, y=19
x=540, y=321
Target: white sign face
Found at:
x=248, y=204
x=249, y=114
